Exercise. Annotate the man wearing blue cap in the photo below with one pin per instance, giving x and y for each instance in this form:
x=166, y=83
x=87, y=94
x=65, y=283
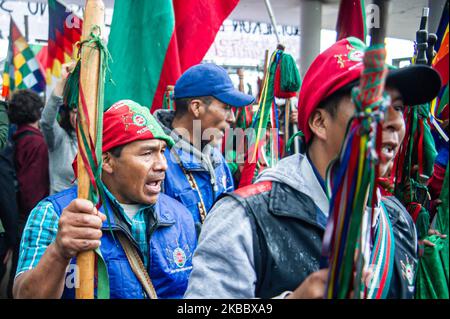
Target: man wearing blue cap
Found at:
x=197, y=172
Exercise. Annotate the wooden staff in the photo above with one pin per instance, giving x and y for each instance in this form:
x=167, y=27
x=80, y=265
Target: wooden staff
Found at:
x=287, y=118
x=266, y=66
x=89, y=76
x=287, y=125
x=240, y=73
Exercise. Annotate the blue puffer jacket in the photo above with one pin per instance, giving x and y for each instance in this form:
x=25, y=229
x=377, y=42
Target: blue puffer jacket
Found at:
x=211, y=174
x=172, y=244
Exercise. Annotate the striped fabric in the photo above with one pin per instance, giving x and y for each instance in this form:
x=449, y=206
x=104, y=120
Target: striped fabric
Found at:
x=42, y=227
x=21, y=67
x=382, y=258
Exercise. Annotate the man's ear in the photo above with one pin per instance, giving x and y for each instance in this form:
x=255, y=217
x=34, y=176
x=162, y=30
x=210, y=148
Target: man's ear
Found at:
x=318, y=123
x=108, y=163
x=194, y=108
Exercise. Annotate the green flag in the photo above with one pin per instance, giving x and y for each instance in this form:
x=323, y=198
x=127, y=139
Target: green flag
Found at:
x=141, y=31
x=433, y=272
x=153, y=42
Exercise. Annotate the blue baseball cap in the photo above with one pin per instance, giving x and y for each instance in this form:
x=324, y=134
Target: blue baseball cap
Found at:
x=209, y=79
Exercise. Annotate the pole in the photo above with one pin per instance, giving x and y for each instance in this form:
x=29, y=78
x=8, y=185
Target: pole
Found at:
x=272, y=19
x=379, y=34
x=25, y=19
x=422, y=38
x=240, y=73
x=89, y=75
x=295, y=129
x=266, y=66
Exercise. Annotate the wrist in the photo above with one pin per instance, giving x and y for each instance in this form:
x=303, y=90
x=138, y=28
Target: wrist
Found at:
x=58, y=255
x=58, y=91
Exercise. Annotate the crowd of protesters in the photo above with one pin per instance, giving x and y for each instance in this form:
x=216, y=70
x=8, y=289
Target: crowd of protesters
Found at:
x=185, y=229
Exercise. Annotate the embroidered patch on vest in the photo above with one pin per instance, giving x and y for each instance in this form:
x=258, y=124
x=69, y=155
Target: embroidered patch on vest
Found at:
x=179, y=257
x=254, y=189
x=408, y=273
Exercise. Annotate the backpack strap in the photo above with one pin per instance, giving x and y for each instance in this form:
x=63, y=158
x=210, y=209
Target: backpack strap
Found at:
x=137, y=266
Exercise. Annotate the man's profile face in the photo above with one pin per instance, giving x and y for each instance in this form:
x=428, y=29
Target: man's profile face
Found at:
x=216, y=119
x=139, y=171
x=393, y=131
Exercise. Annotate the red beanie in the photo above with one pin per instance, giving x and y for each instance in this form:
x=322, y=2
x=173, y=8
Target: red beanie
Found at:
x=333, y=69
x=126, y=121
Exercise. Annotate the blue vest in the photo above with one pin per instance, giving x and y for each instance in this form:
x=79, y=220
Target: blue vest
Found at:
x=172, y=244
x=176, y=184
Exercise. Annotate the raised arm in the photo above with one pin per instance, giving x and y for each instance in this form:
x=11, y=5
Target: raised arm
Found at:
x=49, y=126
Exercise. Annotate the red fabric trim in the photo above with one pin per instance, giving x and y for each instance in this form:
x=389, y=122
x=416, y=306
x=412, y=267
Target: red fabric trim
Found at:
x=247, y=174
x=254, y=189
x=416, y=211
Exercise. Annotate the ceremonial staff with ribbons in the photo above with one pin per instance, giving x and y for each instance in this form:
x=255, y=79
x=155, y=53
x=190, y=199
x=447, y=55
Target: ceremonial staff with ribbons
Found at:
x=414, y=164
x=286, y=95
x=281, y=80
x=413, y=169
x=353, y=180
x=89, y=128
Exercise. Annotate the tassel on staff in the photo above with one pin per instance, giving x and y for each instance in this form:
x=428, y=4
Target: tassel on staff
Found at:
x=352, y=179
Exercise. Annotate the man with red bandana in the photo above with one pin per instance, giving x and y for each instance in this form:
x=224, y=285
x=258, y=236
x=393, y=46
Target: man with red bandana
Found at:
x=265, y=240
x=147, y=241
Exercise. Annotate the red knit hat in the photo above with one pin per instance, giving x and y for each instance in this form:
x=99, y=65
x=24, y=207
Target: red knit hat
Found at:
x=333, y=69
x=341, y=64
x=126, y=121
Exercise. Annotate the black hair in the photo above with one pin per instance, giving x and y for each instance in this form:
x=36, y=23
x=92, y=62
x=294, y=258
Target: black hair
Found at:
x=181, y=105
x=331, y=103
x=117, y=151
x=25, y=107
x=64, y=121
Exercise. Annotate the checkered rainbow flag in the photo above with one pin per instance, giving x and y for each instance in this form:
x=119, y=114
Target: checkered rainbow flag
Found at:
x=64, y=31
x=21, y=66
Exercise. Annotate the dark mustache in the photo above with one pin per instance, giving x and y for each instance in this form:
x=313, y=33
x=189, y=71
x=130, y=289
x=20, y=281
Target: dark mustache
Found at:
x=154, y=177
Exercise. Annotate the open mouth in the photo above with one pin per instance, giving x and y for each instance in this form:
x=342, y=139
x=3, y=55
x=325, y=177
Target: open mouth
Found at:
x=153, y=186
